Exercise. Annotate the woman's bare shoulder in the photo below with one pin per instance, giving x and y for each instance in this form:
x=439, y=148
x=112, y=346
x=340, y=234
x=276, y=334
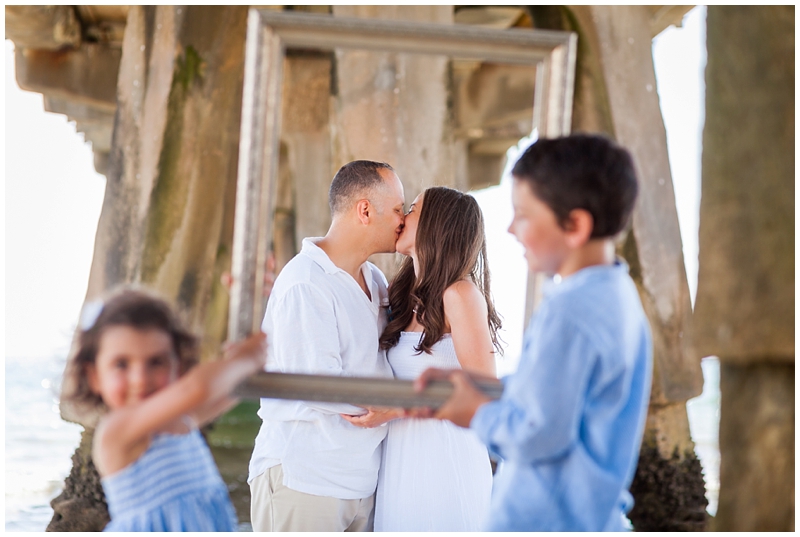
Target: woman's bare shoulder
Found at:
x=463, y=293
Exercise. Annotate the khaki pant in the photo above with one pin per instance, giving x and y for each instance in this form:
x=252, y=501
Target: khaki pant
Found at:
x=275, y=507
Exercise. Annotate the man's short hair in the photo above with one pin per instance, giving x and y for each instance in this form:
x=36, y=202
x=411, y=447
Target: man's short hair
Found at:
x=582, y=171
x=353, y=180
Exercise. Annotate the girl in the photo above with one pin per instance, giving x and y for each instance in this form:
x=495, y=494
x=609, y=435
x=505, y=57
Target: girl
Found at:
x=435, y=476
x=156, y=470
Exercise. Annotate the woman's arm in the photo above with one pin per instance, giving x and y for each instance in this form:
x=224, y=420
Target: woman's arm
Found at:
x=466, y=312
x=205, y=388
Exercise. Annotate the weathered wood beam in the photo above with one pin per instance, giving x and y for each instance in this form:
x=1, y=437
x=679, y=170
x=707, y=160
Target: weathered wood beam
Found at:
x=85, y=75
x=489, y=16
x=657, y=257
x=100, y=14
x=662, y=17
x=96, y=123
x=745, y=310
x=43, y=27
x=167, y=215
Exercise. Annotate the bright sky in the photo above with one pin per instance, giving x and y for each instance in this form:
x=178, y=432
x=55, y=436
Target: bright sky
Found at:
x=679, y=55
x=53, y=198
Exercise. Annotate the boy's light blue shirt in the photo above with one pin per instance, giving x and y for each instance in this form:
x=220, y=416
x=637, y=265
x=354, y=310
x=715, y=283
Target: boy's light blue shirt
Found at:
x=570, y=422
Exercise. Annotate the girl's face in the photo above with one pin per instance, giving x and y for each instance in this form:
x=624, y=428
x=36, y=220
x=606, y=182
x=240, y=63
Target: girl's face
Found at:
x=406, y=243
x=132, y=364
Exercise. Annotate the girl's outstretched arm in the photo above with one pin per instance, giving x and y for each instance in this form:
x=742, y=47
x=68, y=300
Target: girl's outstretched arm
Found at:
x=124, y=433
x=466, y=312
x=220, y=403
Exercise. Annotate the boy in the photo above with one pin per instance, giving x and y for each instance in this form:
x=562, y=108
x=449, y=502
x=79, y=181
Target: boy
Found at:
x=570, y=422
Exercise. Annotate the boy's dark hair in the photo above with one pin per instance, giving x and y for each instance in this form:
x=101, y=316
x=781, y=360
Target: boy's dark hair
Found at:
x=582, y=171
x=126, y=307
x=353, y=179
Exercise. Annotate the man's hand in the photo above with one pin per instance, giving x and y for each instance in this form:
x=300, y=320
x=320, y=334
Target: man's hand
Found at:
x=374, y=417
x=466, y=398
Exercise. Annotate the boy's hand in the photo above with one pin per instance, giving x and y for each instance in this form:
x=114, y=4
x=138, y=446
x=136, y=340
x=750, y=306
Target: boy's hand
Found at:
x=466, y=398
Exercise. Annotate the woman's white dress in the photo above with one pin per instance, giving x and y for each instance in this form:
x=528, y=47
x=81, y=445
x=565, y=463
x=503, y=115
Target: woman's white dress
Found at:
x=435, y=476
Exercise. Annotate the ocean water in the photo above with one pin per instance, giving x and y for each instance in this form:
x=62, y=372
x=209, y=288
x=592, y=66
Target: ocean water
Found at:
x=39, y=444
x=704, y=425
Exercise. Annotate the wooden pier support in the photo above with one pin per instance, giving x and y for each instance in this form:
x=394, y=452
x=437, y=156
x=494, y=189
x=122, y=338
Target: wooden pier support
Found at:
x=167, y=216
x=746, y=287
x=615, y=94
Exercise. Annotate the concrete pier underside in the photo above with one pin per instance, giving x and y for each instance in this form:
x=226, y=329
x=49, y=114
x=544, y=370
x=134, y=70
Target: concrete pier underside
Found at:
x=157, y=90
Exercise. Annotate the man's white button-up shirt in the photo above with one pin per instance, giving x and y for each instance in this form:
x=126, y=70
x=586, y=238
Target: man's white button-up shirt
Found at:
x=320, y=321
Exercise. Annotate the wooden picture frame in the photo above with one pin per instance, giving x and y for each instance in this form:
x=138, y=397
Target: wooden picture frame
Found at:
x=271, y=33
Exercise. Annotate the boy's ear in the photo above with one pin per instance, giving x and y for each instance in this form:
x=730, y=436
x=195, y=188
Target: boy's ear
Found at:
x=579, y=226
x=364, y=211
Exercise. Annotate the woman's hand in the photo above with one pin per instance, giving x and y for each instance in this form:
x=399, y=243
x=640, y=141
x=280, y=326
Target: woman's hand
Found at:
x=374, y=417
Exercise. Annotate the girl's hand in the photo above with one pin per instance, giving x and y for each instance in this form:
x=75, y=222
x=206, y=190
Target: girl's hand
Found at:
x=226, y=279
x=374, y=417
x=253, y=348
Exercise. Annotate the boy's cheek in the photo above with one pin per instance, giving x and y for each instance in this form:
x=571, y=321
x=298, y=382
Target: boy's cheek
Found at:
x=531, y=260
x=517, y=229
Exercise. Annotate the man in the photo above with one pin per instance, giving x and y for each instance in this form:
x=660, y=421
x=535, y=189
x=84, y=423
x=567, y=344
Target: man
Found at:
x=311, y=470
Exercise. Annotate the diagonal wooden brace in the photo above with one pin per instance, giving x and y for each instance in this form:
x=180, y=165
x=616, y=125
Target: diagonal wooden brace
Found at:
x=355, y=390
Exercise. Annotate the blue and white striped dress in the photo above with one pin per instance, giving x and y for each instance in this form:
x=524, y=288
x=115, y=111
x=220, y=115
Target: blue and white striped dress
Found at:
x=173, y=486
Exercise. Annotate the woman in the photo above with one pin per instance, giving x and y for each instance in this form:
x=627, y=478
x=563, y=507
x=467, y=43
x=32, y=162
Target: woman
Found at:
x=436, y=476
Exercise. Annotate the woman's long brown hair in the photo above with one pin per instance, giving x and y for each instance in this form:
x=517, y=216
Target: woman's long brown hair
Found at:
x=451, y=246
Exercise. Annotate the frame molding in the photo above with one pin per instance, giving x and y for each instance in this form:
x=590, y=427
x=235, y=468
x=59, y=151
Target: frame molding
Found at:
x=271, y=33
x=356, y=390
